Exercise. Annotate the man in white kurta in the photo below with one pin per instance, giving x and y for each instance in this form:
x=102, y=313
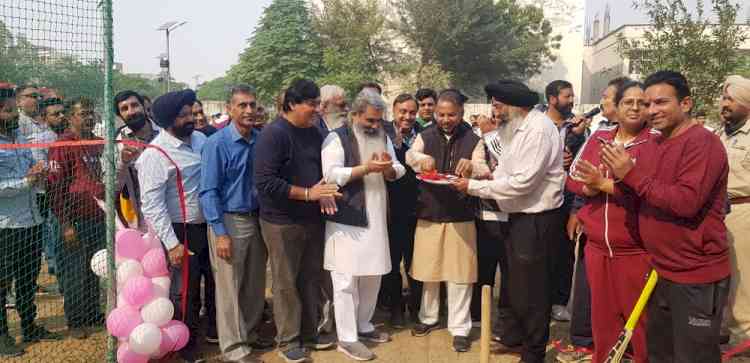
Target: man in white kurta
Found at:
x=359, y=157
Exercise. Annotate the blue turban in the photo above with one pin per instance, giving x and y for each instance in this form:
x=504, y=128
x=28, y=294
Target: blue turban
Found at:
x=168, y=106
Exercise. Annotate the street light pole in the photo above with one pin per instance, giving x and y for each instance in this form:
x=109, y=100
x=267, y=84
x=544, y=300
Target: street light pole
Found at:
x=165, y=64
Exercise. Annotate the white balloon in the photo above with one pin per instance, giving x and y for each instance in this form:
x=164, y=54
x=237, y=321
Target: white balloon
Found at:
x=161, y=286
x=100, y=263
x=158, y=311
x=145, y=339
x=128, y=268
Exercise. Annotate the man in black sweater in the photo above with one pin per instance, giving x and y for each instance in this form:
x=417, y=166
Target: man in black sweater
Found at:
x=288, y=176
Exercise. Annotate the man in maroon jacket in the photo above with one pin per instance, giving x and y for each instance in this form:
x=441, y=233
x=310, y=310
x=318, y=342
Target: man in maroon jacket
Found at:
x=75, y=180
x=682, y=189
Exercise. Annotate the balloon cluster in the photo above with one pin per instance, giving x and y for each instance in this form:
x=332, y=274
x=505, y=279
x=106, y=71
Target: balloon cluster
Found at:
x=142, y=320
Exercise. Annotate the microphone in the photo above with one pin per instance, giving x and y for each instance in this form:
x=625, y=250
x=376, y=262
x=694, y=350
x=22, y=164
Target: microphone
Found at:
x=593, y=112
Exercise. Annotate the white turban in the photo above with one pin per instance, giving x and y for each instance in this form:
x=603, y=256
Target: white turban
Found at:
x=738, y=88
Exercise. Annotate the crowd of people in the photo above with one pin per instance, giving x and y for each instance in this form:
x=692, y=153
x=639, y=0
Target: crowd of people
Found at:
x=337, y=199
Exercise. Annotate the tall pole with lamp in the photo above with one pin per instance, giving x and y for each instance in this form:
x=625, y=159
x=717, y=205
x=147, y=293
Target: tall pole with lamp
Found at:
x=168, y=27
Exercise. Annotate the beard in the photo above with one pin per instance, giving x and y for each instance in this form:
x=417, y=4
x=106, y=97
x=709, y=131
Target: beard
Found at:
x=10, y=125
x=334, y=119
x=564, y=109
x=369, y=141
x=137, y=122
x=184, y=130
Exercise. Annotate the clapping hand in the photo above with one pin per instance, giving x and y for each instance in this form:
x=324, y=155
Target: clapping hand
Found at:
x=617, y=160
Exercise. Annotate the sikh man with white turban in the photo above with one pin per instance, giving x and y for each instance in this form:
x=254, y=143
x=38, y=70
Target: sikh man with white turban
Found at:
x=735, y=112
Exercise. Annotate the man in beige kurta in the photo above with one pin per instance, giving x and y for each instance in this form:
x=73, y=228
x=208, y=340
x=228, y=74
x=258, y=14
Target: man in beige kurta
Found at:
x=735, y=112
x=445, y=238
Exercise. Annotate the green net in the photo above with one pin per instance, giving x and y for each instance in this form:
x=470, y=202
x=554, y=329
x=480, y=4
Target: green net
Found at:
x=52, y=199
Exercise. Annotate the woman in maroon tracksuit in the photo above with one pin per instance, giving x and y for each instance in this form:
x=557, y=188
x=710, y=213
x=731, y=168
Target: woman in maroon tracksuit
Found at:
x=617, y=264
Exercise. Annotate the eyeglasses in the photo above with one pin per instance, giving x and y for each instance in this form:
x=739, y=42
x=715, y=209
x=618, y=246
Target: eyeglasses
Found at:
x=32, y=95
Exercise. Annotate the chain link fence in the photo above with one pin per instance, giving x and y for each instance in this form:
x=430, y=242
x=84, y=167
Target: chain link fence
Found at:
x=55, y=63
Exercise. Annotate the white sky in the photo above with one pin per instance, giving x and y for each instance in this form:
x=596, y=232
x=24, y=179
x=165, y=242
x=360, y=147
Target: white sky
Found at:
x=211, y=41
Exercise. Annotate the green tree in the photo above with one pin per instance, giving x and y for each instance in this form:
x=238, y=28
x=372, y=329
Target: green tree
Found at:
x=704, y=48
x=357, y=42
x=477, y=41
x=215, y=89
x=283, y=48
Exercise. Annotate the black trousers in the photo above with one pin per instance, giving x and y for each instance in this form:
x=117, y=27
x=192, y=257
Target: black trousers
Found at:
x=491, y=236
x=531, y=250
x=401, y=242
x=580, y=320
x=209, y=294
x=563, y=263
x=20, y=261
x=80, y=286
x=197, y=236
x=684, y=321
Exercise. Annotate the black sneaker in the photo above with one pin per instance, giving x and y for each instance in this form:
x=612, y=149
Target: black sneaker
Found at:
x=293, y=355
x=262, y=344
x=322, y=342
x=78, y=333
x=461, y=344
x=421, y=329
x=8, y=347
x=38, y=334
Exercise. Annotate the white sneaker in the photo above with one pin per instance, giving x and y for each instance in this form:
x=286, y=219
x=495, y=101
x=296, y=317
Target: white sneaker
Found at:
x=560, y=313
x=356, y=351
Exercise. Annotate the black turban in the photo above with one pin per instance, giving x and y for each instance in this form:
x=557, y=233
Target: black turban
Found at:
x=168, y=106
x=512, y=93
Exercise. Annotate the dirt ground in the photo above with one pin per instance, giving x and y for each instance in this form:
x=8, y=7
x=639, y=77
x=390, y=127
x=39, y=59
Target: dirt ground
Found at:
x=434, y=348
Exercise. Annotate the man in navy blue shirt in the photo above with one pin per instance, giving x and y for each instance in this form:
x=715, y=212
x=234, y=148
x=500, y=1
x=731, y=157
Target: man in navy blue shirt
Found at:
x=238, y=254
x=288, y=175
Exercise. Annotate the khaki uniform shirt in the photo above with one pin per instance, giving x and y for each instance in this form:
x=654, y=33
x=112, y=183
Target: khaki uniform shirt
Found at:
x=738, y=153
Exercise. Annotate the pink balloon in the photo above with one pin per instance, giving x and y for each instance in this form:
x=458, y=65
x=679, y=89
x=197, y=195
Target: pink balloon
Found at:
x=155, y=263
x=167, y=345
x=121, y=321
x=125, y=355
x=121, y=303
x=152, y=241
x=138, y=291
x=130, y=244
x=178, y=332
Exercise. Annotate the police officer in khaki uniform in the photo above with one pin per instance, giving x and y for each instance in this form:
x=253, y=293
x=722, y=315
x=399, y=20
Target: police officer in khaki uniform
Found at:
x=735, y=112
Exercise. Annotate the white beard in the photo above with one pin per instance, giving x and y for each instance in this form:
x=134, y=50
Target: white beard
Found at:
x=368, y=145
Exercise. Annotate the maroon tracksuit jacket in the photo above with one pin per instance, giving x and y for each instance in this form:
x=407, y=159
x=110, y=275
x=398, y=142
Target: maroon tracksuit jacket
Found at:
x=617, y=264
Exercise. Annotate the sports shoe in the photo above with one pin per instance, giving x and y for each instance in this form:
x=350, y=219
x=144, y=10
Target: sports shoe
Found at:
x=356, y=351
x=8, y=347
x=78, y=333
x=560, y=313
x=262, y=344
x=575, y=355
x=374, y=336
x=10, y=301
x=397, y=319
x=421, y=329
x=293, y=355
x=321, y=342
x=461, y=344
x=37, y=333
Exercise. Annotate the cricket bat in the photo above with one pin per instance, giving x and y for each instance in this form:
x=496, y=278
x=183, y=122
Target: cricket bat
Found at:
x=618, y=350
